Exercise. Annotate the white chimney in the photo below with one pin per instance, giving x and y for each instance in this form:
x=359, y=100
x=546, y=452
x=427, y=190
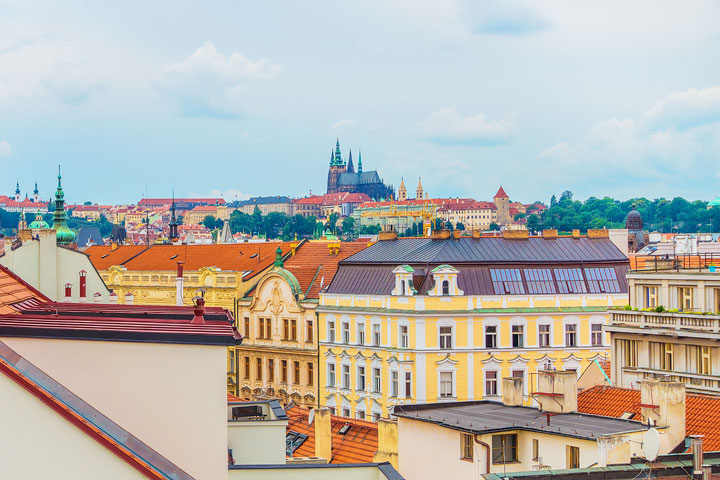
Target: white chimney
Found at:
x=179, y=288
x=97, y=297
x=557, y=391
x=113, y=298
x=662, y=404
x=129, y=298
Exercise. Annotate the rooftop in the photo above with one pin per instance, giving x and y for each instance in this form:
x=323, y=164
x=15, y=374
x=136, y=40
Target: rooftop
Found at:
x=105, y=256
x=702, y=412
x=358, y=444
x=483, y=417
x=16, y=294
x=266, y=200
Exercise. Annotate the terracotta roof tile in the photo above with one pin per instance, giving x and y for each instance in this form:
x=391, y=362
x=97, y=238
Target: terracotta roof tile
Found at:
x=501, y=193
x=104, y=257
x=314, y=265
x=702, y=412
x=358, y=445
x=15, y=292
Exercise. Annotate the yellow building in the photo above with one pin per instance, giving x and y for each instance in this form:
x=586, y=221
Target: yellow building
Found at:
x=149, y=276
x=198, y=214
x=278, y=357
x=423, y=320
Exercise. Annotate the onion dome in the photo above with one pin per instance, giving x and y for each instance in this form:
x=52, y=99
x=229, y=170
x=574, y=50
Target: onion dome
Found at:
x=634, y=220
x=65, y=236
x=38, y=223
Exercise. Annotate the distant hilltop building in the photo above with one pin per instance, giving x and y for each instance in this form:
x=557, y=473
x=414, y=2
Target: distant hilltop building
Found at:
x=342, y=177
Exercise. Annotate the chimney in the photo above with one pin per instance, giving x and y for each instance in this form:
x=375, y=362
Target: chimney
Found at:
x=512, y=391
x=662, y=404
x=557, y=391
x=706, y=472
x=198, y=311
x=83, y=286
x=113, y=298
x=97, y=297
x=456, y=234
x=387, y=442
x=323, y=433
x=129, y=298
x=179, y=288
x=575, y=233
x=696, y=448
x=68, y=292
x=549, y=233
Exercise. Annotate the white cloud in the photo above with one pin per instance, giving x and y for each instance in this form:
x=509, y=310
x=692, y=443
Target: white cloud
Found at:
x=208, y=83
x=447, y=126
x=686, y=109
x=342, y=123
x=229, y=195
x=5, y=148
x=47, y=67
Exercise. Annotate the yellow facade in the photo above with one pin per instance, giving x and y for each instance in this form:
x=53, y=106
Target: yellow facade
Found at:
x=436, y=348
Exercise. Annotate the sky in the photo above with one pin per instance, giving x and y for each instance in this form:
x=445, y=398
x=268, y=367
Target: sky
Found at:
x=245, y=98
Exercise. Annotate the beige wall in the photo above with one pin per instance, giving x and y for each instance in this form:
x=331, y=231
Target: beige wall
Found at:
x=257, y=442
x=49, y=446
x=326, y=473
x=172, y=397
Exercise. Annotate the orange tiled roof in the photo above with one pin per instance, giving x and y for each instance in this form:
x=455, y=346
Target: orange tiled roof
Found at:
x=313, y=264
x=702, y=412
x=14, y=291
x=358, y=445
x=312, y=200
x=250, y=257
x=104, y=257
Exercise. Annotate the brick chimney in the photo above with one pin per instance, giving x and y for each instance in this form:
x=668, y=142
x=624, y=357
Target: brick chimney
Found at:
x=557, y=391
x=662, y=404
x=512, y=391
x=323, y=433
x=387, y=442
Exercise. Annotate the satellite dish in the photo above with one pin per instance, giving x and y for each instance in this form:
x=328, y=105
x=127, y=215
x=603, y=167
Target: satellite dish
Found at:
x=311, y=416
x=651, y=444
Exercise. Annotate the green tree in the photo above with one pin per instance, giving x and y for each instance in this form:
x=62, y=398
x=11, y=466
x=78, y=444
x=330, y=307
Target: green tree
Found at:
x=87, y=203
x=494, y=226
x=460, y=226
x=348, y=226
x=209, y=222
x=256, y=224
x=332, y=221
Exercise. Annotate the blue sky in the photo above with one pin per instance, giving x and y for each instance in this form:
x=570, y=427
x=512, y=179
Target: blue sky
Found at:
x=246, y=98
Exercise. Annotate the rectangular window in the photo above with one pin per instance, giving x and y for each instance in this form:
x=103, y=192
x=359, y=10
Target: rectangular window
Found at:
x=247, y=327
x=650, y=297
x=376, y=334
x=446, y=338
x=345, y=377
x=296, y=373
x=259, y=370
x=346, y=412
x=602, y=280
x=331, y=331
x=261, y=328
x=361, y=333
x=491, y=336
x=293, y=329
x=331, y=375
x=504, y=448
x=570, y=280
x=685, y=299
x=518, y=336
x=507, y=281
x=361, y=378
x=667, y=351
x=311, y=380
x=705, y=361
x=247, y=368
x=596, y=334
x=571, y=335
x=309, y=333
x=231, y=360
x=283, y=371
x=491, y=383
x=377, y=380
x=573, y=457
x=286, y=329
x=446, y=384
x=404, y=336
x=345, y=332
x=394, y=384
x=466, y=446
x=544, y=335
x=539, y=281
x=630, y=353
x=360, y=414
x=408, y=385
x=271, y=371
x=536, y=449
x=268, y=328
x=376, y=417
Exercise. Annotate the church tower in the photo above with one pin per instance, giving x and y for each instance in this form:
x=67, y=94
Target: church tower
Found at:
x=36, y=194
x=337, y=166
x=402, y=191
x=419, y=191
x=64, y=235
x=350, y=166
x=502, y=204
x=17, y=191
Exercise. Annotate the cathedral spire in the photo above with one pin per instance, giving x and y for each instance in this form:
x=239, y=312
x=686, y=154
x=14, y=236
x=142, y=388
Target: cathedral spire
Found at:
x=359, y=162
x=64, y=235
x=338, y=156
x=173, y=233
x=350, y=167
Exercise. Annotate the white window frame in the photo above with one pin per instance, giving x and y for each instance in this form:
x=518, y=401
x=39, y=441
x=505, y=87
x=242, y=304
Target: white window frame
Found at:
x=331, y=330
x=376, y=379
x=376, y=334
x=345, y=332
x=394, y=383
x=486, y=377
x=441, y=335
x=332, y=374
x=361, y=375
x=404, y=339
x=345, y=376
x=441, y=383
x=549, y=334
x=361, y=332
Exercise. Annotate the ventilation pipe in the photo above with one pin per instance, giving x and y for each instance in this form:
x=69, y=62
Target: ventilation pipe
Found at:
x=198, y=311
x=179, y=287
x=696, y=448
x=68, y=292
x=97, y=297
x=83, y=286
x=129, y=298
x=113, y=298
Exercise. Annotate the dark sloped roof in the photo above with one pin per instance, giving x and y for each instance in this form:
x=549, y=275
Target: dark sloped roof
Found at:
x=348, y=178
x=89, y=235
x=489, y=250
x=266, y=200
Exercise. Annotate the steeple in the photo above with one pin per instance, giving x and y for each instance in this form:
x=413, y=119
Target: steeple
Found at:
x=64, y=235
x=350, y=167
x=419, y=191
x=338, y=156
x=36, y=190
x=17, y=191
x=402, y=191
x=173, y=234
x=359, y=162
x=36, y=194
x=332, y=158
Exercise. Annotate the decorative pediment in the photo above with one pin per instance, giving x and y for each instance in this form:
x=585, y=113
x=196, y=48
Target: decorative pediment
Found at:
x=330, y=353
x=447, y=361
x=375, y=357
x=518, y=360
x=492, y=362
x=360, y=356
x=344, y=355
x=571, y=358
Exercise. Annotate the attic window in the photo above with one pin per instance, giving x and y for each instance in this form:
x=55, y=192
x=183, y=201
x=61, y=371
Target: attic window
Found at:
x=293, y=440
x=106, y=255
x=254, y=255
x=627, y=415
x=173, y=257
x=344, y=429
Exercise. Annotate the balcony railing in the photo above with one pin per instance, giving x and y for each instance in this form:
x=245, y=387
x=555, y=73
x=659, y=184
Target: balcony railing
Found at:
x=698, y=262
x=673, y=321
x=694, y=382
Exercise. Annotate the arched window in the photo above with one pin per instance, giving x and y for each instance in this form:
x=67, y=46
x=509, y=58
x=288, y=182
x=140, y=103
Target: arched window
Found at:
x=445, y=287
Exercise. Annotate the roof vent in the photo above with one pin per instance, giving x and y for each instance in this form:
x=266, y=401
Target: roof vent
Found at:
x=198, y=311
x=344, y=429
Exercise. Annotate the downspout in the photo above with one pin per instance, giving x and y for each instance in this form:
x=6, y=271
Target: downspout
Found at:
x=487, y=451
x=316, y=333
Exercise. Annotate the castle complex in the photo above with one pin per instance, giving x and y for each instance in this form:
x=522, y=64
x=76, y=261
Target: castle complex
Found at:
x=342, y=177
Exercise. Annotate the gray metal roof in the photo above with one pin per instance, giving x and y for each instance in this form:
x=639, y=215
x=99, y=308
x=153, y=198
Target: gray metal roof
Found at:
x=483, y=417
x=265, y=200
x=351, y=178
x=490, y=250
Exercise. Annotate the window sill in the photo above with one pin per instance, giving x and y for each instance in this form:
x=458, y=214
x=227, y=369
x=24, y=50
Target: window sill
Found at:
x=506, y=463
x=469, y=460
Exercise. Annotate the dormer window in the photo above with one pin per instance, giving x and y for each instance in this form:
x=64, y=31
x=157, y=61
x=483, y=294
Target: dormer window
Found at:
x=445, y=279
x=403, y=281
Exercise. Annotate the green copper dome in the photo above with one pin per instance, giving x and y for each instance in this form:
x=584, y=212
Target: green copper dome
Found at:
x=65, y=236
x=38, y=223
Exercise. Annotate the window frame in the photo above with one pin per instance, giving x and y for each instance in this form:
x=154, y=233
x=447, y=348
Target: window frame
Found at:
x=511, y=451
x=443, y=393
x=491, y=383
x=445, y=339
x=544, y=337
x=602, y=280
x=517, y=335
x=467, y=444
x=571, y=335
x=569, y=280
x=540, y=281
x=361, y=384
x=507, y=281
x=596, y=337
x=493, y=335
x=331, y=375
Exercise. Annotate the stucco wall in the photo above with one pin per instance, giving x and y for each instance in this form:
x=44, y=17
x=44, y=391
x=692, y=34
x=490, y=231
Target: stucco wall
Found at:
x=346, y=473
x=49, y=446
x=172, y=397
x=257, y=442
